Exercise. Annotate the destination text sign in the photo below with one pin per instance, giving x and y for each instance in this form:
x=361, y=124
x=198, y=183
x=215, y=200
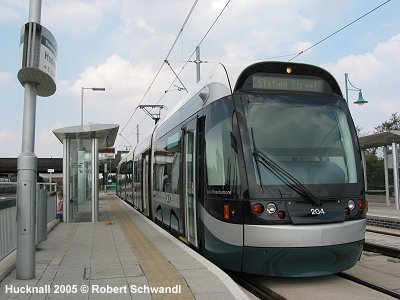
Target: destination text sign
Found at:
x=289, y=83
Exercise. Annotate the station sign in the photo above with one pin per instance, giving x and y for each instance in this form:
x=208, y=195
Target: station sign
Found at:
x=38, y=58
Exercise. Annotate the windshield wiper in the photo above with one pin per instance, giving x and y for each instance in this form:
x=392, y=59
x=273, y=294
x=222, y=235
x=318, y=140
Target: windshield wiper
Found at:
x=287, y=178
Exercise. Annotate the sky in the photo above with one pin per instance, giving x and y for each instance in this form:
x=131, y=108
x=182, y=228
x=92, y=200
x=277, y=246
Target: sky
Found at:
x=120, y=45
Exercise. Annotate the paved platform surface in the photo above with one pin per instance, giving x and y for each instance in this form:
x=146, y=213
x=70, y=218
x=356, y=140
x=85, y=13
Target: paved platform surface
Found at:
x=377, y=207
x=119, y=261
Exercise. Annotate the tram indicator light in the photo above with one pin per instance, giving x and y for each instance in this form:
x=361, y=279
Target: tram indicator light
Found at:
x=258, y=208
x=359, y=203
x=227, y=214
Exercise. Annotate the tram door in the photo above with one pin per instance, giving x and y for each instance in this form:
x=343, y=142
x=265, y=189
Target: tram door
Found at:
x=145, y=193
x=189, y=193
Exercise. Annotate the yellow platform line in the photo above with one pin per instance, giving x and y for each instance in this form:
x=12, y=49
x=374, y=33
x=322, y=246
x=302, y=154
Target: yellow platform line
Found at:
x=158, y=270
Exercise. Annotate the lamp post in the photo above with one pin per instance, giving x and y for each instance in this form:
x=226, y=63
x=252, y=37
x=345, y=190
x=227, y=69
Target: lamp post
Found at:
x=360, y=100
x=87, y=88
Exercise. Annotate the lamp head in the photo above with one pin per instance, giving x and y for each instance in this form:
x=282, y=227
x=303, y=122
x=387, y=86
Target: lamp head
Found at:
x=360, y=100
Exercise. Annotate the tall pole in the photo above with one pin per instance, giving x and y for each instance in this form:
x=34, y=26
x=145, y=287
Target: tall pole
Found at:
x=347, y=90
x=198, y=61
x=88, y=88
x=82, y=106
x=137, y=134
x=26, y=178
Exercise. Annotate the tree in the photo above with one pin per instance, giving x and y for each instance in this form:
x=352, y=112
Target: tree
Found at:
x=375, y=164
x=392, y=124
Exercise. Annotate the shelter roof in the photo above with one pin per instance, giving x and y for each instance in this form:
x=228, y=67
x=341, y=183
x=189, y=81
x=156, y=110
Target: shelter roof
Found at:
x=380, y=139
x=106, y=133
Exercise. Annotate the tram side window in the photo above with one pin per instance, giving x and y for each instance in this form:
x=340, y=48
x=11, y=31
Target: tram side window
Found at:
x=159, y=165
x=167, y=158
x=135, y=175
x=221, y=157
x=129, y=166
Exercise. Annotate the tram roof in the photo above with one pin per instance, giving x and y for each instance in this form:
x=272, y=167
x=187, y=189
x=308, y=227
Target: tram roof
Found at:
x=379, y=139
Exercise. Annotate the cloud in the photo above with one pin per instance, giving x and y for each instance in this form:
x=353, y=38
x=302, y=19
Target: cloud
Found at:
x=125, y=85
x=376, y=74
x=6, y=135
x=11, y=11
x=47, y=144
x=117, y=75
x=259, y=28
x=10, y=143
x=6, y=79
x=141, y=23
x=76, y=15
x=300, y=46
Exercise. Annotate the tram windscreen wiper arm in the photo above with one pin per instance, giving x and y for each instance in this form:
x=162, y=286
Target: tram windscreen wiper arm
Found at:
x=256, y=158
x=286, y=177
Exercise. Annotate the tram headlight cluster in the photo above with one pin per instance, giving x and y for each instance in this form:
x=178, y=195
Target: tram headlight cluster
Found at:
x=352, y=205
x=270, y=208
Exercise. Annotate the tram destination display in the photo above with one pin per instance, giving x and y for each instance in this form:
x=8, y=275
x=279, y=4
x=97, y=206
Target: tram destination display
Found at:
x=288, y=83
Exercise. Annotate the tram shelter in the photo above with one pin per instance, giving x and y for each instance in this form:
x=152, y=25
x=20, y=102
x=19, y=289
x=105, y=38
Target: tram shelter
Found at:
x=385, y=140
x=81, y=168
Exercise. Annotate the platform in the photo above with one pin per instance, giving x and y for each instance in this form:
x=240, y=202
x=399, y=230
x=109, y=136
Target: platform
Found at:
x=119, y=261
x=379, y=214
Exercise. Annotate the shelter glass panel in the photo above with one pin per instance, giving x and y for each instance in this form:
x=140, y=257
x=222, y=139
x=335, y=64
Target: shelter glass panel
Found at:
x=80, y=181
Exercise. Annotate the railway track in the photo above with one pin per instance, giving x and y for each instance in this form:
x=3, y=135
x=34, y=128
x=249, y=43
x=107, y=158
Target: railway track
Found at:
x=371, y=285
x=364, y=281
x=380, y=240
x=340, y=286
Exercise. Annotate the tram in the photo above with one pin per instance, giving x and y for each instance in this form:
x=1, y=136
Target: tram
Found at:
x=259, y=171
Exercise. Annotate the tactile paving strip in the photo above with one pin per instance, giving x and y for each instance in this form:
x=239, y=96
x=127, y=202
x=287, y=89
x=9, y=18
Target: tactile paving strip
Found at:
x=158, y=270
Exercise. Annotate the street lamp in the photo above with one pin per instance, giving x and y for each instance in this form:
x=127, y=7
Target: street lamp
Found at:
x=87, y=88
x=360, y=100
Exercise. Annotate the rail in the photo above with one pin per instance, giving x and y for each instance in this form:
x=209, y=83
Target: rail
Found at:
x=8, y=213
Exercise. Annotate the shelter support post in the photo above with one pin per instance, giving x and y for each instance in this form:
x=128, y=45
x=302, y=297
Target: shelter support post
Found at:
x=385, y=161
x=66, y=179
x=395, y=175
x=95, y=179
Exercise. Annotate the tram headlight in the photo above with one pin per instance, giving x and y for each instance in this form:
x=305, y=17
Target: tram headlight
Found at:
x=351, y=204
x=271, y=208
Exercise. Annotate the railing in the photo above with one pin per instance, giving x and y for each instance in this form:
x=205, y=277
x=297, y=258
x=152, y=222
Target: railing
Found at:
x=8, y=214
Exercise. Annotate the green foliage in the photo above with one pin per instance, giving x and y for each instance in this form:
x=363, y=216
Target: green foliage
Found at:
x=392, y=124
x=375, y=172
x=375, y=164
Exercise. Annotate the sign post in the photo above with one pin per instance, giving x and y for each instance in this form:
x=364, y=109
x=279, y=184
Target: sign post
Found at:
x=37, y=75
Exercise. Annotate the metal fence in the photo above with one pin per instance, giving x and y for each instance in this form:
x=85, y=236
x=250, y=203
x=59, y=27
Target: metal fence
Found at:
x=8, y=214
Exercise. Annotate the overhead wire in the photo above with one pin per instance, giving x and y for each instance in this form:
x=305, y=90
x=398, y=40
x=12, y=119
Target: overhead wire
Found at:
x=163, y=63
x=188, y=60
x=206, y=34
x=339, y=30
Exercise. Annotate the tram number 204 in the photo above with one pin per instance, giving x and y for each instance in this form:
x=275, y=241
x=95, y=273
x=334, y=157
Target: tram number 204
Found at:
x=317, y=211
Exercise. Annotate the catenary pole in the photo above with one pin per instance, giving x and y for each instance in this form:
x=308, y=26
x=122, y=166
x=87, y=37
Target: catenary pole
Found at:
x=27, y=169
